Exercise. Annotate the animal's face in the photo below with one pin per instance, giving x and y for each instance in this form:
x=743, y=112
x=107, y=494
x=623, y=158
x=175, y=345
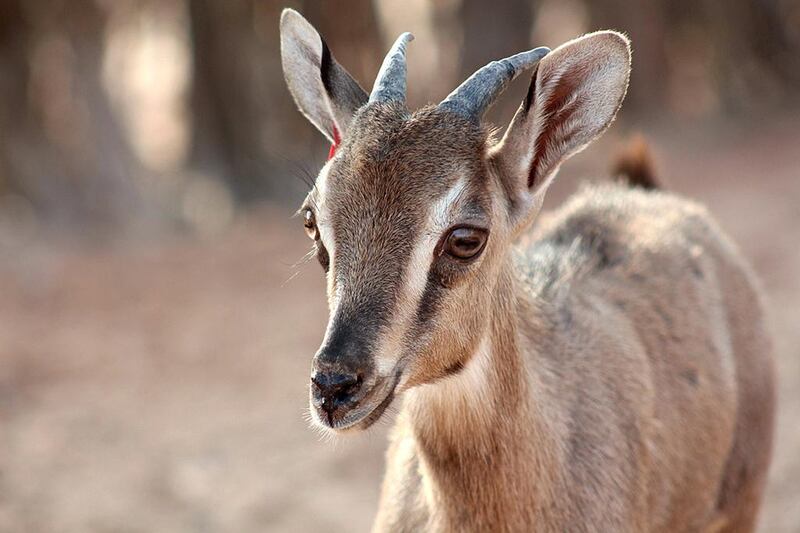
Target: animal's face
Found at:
x=413, y=216
x=404, y=223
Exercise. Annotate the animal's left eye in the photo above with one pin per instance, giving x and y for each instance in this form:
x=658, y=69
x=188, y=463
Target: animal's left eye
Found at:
x=465, y=242
x=310, y=224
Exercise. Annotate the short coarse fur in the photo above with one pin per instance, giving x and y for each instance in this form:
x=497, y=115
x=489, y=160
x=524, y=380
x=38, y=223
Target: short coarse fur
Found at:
x=609, y=370
x=630, y=400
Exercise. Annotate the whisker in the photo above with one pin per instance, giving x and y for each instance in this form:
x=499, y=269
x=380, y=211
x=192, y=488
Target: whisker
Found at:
x=290, y=278
x=308, y=256
x=295, y=267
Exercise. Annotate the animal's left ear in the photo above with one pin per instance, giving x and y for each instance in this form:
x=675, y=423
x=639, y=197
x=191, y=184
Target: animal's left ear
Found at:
x=574, y=95
x=324, y=91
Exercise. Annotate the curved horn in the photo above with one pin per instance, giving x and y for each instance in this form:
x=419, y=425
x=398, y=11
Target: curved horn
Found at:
x=390, y=85
x=473, y=97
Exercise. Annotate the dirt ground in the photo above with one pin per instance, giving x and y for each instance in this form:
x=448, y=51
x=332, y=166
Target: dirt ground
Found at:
x=161, y=386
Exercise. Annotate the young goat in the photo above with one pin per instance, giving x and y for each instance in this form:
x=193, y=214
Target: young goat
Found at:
x=611, y=374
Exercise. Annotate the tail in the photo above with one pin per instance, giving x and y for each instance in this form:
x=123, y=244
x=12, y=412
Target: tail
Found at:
x=634, y=165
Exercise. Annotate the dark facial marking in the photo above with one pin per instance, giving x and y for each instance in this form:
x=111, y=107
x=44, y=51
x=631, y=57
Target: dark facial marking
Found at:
x=351, y=343
x=322, y=255
x=429, y=303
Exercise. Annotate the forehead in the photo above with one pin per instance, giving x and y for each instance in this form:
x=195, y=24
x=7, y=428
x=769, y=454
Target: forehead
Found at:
x=396, y=164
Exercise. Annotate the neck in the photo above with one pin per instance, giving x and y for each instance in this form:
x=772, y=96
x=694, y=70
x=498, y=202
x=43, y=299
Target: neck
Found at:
x=481, y=440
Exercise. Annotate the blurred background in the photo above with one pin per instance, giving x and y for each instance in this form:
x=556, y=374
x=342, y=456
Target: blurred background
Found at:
x=157, y=319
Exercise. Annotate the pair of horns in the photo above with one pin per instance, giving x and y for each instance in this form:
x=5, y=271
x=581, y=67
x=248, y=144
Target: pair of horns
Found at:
x=472, y=98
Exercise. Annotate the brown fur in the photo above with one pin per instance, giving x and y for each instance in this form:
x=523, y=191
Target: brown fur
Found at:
x=621, y=413
x=609, y=371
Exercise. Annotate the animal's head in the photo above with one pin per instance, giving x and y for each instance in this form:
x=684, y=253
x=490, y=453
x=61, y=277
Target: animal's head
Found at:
x=414, y=214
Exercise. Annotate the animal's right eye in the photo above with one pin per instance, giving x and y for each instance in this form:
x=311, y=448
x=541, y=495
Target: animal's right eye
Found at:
x=310, y=224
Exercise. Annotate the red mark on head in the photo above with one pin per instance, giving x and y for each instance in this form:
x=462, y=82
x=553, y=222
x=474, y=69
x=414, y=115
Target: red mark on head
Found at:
x=336, y=140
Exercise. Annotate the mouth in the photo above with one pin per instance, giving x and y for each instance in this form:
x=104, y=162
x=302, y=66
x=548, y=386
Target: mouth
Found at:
x=364, y=412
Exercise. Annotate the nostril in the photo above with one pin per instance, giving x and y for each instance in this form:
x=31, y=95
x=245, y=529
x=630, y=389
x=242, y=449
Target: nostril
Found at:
x=352, y=385
x=359, y=381
x=336, y=388
x=348, y=389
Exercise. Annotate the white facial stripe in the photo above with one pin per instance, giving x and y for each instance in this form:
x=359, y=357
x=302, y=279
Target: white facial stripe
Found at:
x=324, y=227
x=416, y=277
x=438, y=219
x=321, y=186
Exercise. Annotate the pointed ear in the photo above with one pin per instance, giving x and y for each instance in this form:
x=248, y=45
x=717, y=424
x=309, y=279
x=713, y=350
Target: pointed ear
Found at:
x=574, y=95
x=324, y=91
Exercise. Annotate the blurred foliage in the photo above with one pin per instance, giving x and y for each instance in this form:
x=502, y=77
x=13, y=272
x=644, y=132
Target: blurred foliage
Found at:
x=120, y=115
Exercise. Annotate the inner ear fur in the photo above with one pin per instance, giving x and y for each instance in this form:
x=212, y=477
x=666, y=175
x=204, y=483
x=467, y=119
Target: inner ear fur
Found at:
x=574, y=95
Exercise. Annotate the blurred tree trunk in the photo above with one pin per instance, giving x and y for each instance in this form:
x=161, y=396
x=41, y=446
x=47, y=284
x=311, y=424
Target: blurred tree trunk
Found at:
x=493, y=31
x=739, y=51
x=755, y=59
x=353, y=34
x=61, y=148
x=645, y=25
x=246, y=127
x=228, y=106
x=14, y=73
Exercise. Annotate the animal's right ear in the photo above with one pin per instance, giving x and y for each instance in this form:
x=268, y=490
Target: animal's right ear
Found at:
x=324, y=91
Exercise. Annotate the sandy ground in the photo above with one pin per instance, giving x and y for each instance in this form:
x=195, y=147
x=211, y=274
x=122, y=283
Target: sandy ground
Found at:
x=161, y=387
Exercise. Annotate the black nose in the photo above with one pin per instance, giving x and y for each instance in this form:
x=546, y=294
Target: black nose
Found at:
x=334, y=389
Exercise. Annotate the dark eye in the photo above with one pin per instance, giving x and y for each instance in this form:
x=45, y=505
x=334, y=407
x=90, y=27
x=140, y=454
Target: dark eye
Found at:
x=310, y=224
x=465, y=242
